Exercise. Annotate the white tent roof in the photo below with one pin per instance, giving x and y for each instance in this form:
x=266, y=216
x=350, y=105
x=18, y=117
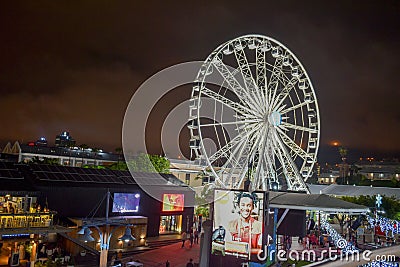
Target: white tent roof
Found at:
x=351, y=190
x=317, y=202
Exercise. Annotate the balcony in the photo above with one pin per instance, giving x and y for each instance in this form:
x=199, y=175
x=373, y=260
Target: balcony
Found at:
x=26, y=220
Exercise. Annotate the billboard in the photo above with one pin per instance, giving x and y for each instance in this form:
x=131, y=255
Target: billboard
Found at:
x=238, y=226
x=173, y=202
x=126, y=202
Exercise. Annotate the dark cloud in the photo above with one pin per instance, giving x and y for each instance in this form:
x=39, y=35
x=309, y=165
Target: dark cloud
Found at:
x=74, y=65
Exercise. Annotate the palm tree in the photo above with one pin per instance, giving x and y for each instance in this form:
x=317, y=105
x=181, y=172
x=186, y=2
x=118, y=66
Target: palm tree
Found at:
x=343, y=154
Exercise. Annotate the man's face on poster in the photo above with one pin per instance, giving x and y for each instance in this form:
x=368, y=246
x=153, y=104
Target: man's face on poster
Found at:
x=245, y=207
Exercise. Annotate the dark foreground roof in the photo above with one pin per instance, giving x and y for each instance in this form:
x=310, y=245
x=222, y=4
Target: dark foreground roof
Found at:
x=313, y=202
x=23, y=177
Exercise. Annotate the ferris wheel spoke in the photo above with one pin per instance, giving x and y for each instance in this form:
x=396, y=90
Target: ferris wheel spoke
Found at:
x=230, y=123
x=233, y=157
x=223, y=151
x=249, y=82
x=270, y=163
x=292, y=145
x=234, y=85
x=284, y=93
x=236, y=162
x=257, y=177
x=227, y=102
x=254, y=139
x=261, y=74
x=284, y=111
x=274, y=81
x=285, y=125
x=292, y=174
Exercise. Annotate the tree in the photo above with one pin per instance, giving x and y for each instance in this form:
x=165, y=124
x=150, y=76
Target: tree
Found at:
x=161, y=164
x=203, y=201
x=341, y=220
x=144, y=163
x=390, y=205
x=48, y=161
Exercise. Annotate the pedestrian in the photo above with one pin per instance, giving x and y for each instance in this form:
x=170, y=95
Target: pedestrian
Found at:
x=196, y=236
x=167, y=264
x=191, y=238
x=300, y=240
x=190, y=263
x=119, y=255
x=183, y=236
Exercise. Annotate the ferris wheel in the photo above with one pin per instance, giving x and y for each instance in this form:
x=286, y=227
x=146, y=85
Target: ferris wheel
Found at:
x=254, y=116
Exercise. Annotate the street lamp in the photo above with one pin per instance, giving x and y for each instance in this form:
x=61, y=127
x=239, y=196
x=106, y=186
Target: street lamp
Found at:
x=127, y=236
x=105, y=237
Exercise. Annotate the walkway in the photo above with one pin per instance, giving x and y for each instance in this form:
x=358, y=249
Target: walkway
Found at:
x=175, y=254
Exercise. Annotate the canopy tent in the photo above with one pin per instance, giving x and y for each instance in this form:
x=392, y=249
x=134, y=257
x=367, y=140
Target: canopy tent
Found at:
x=315, y=202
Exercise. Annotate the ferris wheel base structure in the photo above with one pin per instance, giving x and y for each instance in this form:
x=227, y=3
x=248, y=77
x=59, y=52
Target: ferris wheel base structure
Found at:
x=254, y=117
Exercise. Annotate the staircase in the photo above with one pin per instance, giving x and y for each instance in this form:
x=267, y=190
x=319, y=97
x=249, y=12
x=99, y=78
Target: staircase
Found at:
x=160, y=243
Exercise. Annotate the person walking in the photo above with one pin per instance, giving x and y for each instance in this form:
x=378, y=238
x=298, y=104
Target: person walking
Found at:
x=167, y=264
x=183, y=236
x=191, y=238
x=190, y=263
x=196, y=236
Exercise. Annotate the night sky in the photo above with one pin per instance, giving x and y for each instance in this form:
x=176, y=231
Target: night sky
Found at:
x=74, y=65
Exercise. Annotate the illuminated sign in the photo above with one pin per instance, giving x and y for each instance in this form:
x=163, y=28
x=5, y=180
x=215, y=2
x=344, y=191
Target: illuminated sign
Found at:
x=173, y=202
x=126, y=202
x=15, y=236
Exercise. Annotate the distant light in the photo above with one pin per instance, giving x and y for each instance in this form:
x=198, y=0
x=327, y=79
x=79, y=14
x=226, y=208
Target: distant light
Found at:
x=64, y=133
x=137, y=195
x=335, y=143
x=42, y=139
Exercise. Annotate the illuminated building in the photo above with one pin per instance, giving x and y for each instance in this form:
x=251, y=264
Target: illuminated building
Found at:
x=64, y=140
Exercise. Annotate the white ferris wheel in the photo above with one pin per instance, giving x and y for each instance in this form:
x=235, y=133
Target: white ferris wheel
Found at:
x=254, y=116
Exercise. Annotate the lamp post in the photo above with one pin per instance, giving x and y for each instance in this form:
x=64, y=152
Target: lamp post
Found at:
x=105, y=237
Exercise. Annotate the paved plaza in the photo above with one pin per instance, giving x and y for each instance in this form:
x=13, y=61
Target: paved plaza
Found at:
x=175, y=254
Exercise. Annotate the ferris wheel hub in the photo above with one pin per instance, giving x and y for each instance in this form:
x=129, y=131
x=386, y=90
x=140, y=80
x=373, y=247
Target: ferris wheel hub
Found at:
x=275, y=118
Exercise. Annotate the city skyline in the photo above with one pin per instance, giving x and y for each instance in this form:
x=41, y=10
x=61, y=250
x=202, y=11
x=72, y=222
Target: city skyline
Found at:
x=74, y=67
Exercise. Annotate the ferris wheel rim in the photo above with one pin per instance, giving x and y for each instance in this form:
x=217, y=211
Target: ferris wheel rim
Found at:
x=208, y=63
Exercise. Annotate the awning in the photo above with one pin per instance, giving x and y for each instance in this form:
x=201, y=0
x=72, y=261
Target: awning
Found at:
x=314, y=202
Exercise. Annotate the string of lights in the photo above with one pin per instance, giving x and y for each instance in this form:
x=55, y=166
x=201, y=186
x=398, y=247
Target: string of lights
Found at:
x=339, y=241
x=387, y=225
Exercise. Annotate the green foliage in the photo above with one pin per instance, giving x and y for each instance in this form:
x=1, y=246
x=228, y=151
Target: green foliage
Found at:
x=390, y=205
x=144, y=163
x=202, y=201
x=361, y=180
x=161, y=164
x=93, y=166
x=343, y=151
x=118, y=166
x=141, y=163
x=48, y=161
x=203, y=210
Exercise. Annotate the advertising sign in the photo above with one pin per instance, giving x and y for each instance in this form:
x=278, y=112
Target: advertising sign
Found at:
x=238, y=226
x=173, y=202
x=126, y=202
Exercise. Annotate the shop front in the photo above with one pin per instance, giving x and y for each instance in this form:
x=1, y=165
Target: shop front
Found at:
x=170, y=224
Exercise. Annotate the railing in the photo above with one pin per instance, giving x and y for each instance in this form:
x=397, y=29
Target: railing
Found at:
x=26, y=220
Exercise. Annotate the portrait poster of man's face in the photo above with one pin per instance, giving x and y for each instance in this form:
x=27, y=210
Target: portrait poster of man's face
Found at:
x=237, y=223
